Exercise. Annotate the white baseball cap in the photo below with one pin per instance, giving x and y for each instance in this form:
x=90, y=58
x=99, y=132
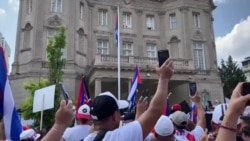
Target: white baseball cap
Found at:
x=218, y=112
x=164, y=126
x=29, y=133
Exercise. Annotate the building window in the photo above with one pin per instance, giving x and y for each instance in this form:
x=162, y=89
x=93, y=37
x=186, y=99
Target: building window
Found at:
x=151, y=50
x=103, y=17
x=127, y=49
x=199, y=55
x=150, y=22
x=196, y=18
x=174, y=50
x=81, y=10
x=103, y=46
x=50, y=34
x=172, y=20
x=56, y=6
x=127, y=20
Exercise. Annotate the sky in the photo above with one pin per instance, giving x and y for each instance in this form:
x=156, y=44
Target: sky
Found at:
x=231, y=27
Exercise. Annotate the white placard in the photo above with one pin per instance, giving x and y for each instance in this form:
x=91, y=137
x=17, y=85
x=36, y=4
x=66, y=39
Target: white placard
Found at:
x=48, y=93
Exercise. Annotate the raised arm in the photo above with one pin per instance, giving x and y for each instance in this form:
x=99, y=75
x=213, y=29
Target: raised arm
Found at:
x=63, y=119
x=201, y=114
x=149, y=118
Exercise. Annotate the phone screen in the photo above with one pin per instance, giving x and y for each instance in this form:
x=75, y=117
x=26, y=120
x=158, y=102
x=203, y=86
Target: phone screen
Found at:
x=64, y=93
x=163, y=55
x=192, y=88
x=246, y=88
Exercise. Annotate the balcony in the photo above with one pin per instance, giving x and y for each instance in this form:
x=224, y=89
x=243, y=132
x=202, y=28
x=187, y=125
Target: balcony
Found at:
x=142, y=62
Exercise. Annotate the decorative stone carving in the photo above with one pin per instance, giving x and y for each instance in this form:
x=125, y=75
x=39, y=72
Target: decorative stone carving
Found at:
x=183, y=9
x=114, y=8
x=198, y=35
x=138, y=11
x=174, y=39
x=161, y=13
x=90, y=4
x=27, y=27
x=206, y=11
x=55, y=21
x=80, y=31
x=127, y=2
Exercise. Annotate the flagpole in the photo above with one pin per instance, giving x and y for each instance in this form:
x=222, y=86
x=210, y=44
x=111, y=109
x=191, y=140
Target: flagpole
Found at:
x=118, y=52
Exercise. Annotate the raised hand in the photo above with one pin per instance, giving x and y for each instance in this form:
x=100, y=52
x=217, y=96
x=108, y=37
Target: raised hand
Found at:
x=166, y=70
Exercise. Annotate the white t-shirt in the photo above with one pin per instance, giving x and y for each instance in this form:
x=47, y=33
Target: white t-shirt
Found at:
x=130, y=132
x=194, y=135
x=76, y=133
x=149, y=137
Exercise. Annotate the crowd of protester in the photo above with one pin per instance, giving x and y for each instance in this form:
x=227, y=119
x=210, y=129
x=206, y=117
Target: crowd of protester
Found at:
x=104, y=119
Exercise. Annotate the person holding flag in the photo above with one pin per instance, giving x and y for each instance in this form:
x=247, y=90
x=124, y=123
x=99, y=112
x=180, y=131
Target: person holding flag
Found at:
x=12, y=123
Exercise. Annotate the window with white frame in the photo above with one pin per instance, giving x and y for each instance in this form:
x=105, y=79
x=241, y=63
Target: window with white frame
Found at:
x=196, y=18
x=103, y=17
x=150, y=22
x=50, y=34
x=199, y=55
x=127, y=48
x=56, y=6
x=127, y=20
x=81, y=10
x=103, y=46
x=172, y=20
x=151, y=50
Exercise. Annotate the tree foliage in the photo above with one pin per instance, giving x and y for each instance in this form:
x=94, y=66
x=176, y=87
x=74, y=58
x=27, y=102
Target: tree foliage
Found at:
x=231, y=74
x=56, y=63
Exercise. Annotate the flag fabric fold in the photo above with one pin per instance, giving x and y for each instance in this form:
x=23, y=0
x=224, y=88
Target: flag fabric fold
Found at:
x=194, y=113
x=166, y=110
x=83, y=94
x=116, y=31
x=12, y=123
x=136, y=83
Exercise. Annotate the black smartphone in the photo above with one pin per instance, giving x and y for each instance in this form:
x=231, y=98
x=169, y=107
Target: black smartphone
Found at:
x=246, y=88
x=163, y=55
x=192, y=88
x=64, y=93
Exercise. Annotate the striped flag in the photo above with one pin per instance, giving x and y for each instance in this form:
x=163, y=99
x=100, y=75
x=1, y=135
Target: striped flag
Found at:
x=136, y=82
x=194, y=113
x=166, y=110
x=12, y=123
x=83, y=94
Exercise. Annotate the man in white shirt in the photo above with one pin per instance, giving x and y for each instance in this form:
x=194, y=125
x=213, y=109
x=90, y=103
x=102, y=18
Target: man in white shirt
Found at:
x=81, y=130
x=164, y=130
x=180, y=121
x=104, y=111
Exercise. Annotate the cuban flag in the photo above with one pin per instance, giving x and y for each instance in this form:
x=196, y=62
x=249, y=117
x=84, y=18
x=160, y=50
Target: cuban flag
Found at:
x=136, y=82
x=166, y=110
x=116, y=31
x=12, y=123
x=83, y=94
x=194, y=113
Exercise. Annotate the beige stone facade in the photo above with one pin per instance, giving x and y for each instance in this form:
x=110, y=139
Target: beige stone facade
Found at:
x=246, y=68
x=185, y=27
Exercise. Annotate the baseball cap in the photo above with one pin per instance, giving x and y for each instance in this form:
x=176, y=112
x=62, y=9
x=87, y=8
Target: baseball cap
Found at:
x=218, y=113
x=176, y=107
x=83, y=112
x=179, y=118
x=29, y=133
x=164, y=126
x=105, y=104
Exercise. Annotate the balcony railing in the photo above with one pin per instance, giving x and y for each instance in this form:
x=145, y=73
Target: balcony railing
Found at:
x=109, y=60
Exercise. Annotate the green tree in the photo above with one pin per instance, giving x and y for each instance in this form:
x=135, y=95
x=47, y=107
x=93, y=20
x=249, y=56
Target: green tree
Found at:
x=56, y=63
x=231, y=74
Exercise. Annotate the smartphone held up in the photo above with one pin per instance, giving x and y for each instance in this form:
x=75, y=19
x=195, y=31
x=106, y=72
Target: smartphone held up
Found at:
x=163, y=55
x=63, y=92
x=192, y=89
x=246, y=90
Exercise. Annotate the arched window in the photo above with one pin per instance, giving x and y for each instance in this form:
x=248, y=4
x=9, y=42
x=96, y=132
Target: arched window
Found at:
x=174, y=47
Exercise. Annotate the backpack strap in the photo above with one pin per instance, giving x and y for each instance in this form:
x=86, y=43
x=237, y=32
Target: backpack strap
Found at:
x=100, y=136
